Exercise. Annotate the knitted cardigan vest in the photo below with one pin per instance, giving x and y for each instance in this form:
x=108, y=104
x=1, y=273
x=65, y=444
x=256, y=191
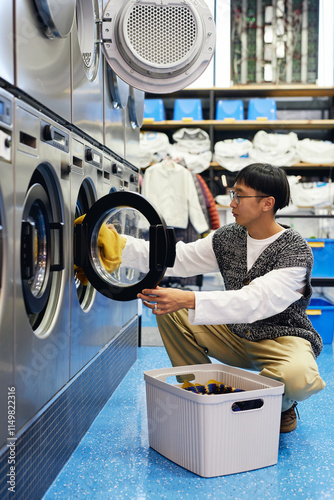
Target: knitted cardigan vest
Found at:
x=289, y=250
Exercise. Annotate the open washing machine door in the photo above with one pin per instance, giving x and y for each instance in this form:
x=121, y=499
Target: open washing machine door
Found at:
x=117, y=89
x=131, y=215
x=57, y=21
x=158, y=46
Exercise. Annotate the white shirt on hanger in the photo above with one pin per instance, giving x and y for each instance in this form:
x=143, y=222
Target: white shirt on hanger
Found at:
x=171, y=189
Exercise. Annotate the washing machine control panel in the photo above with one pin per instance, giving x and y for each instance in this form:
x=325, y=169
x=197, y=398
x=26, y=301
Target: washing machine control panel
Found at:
x=6, y=112
x=55, y=137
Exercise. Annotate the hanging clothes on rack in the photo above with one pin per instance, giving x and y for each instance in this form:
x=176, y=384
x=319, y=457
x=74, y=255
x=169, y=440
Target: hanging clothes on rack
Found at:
x=213, y=212
x=171, y=188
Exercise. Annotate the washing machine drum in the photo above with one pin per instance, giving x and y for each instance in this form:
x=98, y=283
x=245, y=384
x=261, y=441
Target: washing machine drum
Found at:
x=158, y=46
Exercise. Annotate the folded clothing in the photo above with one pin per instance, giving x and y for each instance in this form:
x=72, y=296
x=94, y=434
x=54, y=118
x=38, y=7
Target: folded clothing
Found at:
x=192, y=140
x=314, y=151
x=110, y=246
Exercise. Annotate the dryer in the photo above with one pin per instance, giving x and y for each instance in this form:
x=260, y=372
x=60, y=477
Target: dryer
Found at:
x=7, y=41
x=87, y=69
x=42, y=221
x=43, y=69
x=6, y=257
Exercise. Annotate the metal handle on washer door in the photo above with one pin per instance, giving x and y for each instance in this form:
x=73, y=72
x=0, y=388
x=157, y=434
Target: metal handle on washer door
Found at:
x=157, y=247
x=58, y=226
x=27, y=250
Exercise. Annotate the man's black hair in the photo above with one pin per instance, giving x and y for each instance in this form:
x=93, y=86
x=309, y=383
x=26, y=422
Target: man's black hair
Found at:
x=266, y=179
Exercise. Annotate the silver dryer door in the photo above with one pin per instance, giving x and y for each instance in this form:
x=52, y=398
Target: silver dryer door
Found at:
x=158, y=46
x=131, y=215
x=57, y=19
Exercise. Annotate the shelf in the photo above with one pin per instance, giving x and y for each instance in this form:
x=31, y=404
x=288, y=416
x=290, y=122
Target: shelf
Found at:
x=300, y=165
x=322, y=281
x=270, y=90
x=242, y=124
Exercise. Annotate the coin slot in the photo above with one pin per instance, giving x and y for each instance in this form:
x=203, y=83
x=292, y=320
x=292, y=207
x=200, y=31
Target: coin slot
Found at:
x=28, y=140
x=77, y=161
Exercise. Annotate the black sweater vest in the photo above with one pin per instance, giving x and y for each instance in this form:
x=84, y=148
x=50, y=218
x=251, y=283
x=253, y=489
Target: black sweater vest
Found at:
x=288, y=250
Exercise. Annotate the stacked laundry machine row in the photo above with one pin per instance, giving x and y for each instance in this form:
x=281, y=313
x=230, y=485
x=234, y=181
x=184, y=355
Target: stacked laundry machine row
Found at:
x=69, y=137
x=65, y=130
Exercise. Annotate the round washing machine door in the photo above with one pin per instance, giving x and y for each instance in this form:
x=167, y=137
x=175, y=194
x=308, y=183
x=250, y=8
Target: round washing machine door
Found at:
x=41, y=251
x=87, y=18
x=158, y=46
x=136, y=107
x=131, y=216
x=118, y=90
x=57, y=17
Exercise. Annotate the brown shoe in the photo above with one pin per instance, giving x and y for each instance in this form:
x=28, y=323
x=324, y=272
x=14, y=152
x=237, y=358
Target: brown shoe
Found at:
x=289, y=419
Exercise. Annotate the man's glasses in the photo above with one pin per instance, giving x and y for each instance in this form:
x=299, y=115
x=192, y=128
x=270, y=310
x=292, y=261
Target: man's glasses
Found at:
x=237, y=197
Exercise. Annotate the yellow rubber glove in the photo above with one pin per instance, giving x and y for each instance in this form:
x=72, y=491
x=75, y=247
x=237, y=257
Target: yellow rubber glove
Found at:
x=110, y=245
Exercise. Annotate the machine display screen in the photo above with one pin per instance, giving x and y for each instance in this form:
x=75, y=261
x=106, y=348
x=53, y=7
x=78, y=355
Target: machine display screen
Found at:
x=2, y=108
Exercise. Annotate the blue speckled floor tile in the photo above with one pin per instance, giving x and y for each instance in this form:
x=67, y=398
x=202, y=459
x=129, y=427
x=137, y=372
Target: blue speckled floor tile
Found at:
x=114, y=461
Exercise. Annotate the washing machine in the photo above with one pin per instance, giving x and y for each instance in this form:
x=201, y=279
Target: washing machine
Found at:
x=86, y=332
x=87, y=69
x=6, y=258
x=124, y=177
x=7, y=41
x=43, y=69
x=95, y=319
x=42, y=248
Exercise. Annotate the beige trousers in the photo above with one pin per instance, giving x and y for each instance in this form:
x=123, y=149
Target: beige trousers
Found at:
x=287, y=359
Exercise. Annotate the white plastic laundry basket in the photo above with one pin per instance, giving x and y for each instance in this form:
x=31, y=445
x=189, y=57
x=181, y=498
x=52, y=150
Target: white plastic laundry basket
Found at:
x=203, y=433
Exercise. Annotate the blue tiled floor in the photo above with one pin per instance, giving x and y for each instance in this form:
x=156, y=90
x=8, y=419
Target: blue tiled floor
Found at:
x=114, y=461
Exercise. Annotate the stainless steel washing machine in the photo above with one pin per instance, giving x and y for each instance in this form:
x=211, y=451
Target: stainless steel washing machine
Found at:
x=43, y=69
x=7, y=41
x=86, y=335
x=124, y=177
x=95, y=319
x=87, y=69
x=6, y=258
x=42, y=222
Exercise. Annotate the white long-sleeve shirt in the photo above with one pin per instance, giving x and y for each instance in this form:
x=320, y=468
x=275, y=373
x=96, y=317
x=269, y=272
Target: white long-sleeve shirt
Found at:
x=265, y=296
x=171, y=188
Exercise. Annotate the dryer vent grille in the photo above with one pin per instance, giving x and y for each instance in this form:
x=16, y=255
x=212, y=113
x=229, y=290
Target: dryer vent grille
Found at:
x=169, y=34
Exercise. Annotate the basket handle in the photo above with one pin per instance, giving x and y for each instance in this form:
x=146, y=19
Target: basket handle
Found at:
x=247, y=405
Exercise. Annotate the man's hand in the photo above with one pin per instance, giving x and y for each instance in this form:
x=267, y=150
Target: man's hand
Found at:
x=167, y=300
